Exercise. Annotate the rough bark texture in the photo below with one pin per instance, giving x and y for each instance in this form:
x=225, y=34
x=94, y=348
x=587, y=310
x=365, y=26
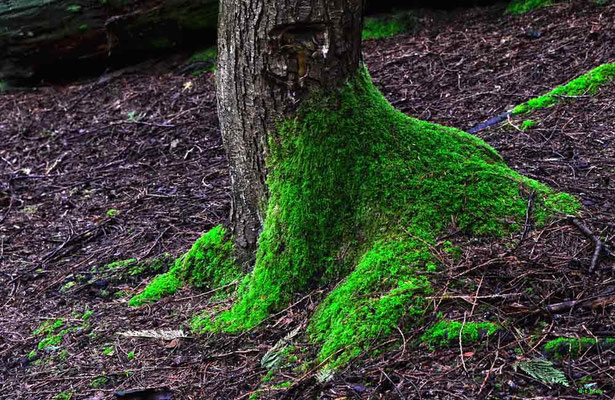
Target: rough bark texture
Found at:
x=271, y=54
x=47, y=38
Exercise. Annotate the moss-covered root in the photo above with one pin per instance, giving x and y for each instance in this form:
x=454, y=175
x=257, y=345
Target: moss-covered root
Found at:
x=449, y=333
x=525, y=6
x=209, y=263
x=587, y=83
x=561, y=348
x=387, y=284
x=358, y=193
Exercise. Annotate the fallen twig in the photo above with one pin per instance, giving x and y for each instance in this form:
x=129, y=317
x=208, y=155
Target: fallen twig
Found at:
x=599, y=247
x=590, y=302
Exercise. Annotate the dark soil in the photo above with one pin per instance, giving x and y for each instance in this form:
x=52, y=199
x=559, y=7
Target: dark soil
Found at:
x=132, y=166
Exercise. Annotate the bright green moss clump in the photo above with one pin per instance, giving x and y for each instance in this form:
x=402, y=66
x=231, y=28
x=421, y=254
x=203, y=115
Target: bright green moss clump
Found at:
x=52, y=332
x=385, y=286
x=525, y=6
x=380, y=28
x=528, y=124
x=446, y=333
x=162, y=285
x=561, y=348
x=585, y=84
x=358, y=192
x=209, y=263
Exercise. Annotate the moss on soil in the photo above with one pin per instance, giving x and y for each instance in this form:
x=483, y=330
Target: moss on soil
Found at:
x=54, y=331
x=99, y=382
x=528, y=124
x=525, y=6
x=385, y=26
x=207, y=56
x=587, y=83
x=209, y=263
x=358, y=194
x=561, y=348
x=447, y=333
x=381, y=29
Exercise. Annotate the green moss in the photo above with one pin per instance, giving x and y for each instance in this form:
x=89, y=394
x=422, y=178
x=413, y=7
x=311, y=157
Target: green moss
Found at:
x=74, y=8
x=358, y=193
x=209, y=263
x=584, y=84
x=32, y=355
x=561, y=348
x=525, y=6
x=64, y=396
x=528, y=124
x=446, y=333
x=63, y=356
x=99, y=382
x=207, y=56
x=52, y=340
x=67, y=286
x=162, y=285
x=109, y=350
x=385, y=286
x=380, y=29
x=133, y=267
x=121, y=264
x=48, y=327
x=112, y=213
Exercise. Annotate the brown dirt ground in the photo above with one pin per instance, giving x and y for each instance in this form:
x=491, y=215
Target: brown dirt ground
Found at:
x=149, y=147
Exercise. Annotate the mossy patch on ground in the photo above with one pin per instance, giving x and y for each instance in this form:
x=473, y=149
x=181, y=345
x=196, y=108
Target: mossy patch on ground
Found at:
x=525, y=6
x=381, y=29
x=206, y=59
x=99, y=382
x=585, y=84
x=64, y=396
x=528, y=124
x=54, y=331
x=561, y=348
x=209, y=263
x=385, y=26
x=103, y=277
x=448, y=333
x=358, y=194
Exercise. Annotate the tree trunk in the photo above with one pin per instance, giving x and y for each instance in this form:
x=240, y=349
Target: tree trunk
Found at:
x=356, y=193
x=55, y=38
x=271, y=55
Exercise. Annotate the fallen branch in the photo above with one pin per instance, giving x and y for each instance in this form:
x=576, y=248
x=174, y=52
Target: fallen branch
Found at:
x=603, y=299
x=599, y=247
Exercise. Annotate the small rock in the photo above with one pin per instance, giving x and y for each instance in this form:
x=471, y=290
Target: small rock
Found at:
x=101, y=283
x=358, y=388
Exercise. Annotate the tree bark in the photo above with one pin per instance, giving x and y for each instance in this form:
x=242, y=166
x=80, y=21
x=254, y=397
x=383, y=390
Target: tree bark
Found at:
x=271, y=55
x=42, y=39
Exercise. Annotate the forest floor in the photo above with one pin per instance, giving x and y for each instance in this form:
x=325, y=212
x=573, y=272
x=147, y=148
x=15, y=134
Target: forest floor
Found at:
x=133, y=167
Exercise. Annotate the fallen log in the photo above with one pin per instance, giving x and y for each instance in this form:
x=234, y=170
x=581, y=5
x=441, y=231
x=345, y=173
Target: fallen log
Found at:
x=47, y=39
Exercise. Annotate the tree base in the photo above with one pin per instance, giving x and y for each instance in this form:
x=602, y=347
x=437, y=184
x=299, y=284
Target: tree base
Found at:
x=359, y=193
